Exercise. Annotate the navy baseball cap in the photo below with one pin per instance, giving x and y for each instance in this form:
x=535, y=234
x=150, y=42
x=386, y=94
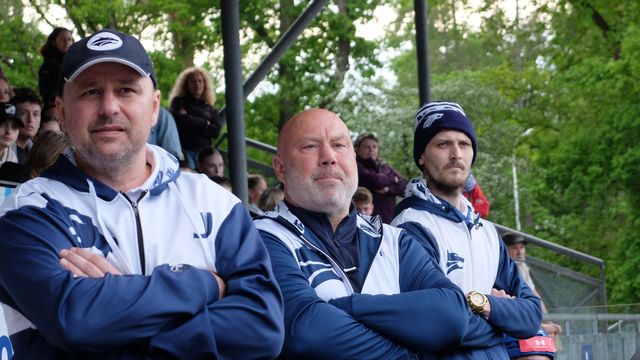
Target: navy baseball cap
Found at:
x=105, y=46
x=8, y=111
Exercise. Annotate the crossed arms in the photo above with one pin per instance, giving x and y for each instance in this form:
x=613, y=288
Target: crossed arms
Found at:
x=429, y=314
x=174, y=311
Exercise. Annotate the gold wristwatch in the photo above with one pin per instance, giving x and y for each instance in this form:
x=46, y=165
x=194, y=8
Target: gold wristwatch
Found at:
x=476, y=301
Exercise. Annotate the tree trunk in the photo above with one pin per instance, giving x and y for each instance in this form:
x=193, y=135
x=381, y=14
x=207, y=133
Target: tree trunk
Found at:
x=184, y=50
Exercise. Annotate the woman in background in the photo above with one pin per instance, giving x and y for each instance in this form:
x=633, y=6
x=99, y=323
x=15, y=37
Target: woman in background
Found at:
x=384, y=182
x=52, y=51
x=192, y=105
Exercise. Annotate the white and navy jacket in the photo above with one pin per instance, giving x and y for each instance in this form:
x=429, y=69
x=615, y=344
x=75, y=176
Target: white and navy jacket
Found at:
x=471, y=254
x=406, y=304
x=166, y=236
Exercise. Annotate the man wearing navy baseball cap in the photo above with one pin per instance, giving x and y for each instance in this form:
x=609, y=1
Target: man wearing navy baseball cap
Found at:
x=113, y=252
x=10, y=123
x=466, y=247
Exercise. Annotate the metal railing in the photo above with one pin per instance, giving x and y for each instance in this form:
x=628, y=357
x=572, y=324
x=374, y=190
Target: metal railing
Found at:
x=261, y=167
x=562, y=288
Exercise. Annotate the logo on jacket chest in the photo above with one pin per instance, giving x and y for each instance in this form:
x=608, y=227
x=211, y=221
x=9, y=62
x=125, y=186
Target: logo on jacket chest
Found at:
x=207, y=220
x=315, y=267
x=454, y=262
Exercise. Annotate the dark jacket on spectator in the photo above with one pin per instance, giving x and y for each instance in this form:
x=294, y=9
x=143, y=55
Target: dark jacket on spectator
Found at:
x=48, y=78
x=375, y=175
x=199, y=125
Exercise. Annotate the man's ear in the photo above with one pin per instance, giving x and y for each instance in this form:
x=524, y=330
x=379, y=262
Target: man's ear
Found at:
x=156, y=107
x=278, y=168
x=60, y=113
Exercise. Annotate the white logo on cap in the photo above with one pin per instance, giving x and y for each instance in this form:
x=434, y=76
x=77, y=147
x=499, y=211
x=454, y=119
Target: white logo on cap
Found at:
x=431, y=119
x=10, y=109
x=104, y=41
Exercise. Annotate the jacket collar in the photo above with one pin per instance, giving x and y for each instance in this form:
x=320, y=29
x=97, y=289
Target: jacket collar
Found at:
x=418, y=196
x=165, y=170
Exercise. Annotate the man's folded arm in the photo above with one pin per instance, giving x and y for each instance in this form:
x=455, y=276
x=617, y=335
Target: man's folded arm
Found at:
x=429, y=314
x=479, y=333
x=521, y=316
x=252, y=306
x=317, y=329
x=89, y=313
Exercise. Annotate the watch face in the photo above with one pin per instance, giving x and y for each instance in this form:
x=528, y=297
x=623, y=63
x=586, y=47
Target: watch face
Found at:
x=477, y=298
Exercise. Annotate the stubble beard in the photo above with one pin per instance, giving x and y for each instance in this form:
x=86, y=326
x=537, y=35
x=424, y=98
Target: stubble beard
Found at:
x=108, y=164
x=327, y=199
x=446, y=186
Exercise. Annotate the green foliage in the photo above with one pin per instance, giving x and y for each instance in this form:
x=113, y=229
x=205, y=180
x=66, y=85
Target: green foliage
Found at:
x=569, y=71
x=19, y=50
x=312, y=71
x=167, y=70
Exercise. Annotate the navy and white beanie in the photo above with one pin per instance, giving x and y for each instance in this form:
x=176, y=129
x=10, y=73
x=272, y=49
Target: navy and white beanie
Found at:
x=436, y=116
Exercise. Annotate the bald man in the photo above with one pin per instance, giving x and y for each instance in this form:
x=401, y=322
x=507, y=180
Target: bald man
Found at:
x=353, y=287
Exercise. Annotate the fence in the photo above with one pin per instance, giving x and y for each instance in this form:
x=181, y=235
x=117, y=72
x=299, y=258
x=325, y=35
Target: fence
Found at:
x=597, y=336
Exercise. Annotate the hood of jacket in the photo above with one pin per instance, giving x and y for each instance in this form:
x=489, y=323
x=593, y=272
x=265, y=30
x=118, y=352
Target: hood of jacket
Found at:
x=418, y=196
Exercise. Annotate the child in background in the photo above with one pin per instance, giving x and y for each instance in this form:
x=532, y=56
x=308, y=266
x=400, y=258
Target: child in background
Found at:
x=363, y=200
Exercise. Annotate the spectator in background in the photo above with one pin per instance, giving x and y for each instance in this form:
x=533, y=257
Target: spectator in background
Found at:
x=192, y=105
x=6, y=93
x=270, y=197
x=165, y=134
x=10, y=123
x=49, y=110
x=381, y=179
x=210, y=162
x=29, y=108
x=45, y=151
x=49, y=119
x=363, y=199
x=49, y=124
x=517, y=247
x=256, y=185
x=473, y=193
x=52, y=51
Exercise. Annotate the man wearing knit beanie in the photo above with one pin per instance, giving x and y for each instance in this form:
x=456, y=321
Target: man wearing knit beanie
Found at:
x=466, y=247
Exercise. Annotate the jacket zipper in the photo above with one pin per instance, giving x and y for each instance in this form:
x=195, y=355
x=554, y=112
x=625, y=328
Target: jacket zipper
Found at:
x=343, y=275
x=134, y=206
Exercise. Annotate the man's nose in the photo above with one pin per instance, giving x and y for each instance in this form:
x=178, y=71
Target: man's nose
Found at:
x=327, y=155
x=108, y=104
x=455, y=152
